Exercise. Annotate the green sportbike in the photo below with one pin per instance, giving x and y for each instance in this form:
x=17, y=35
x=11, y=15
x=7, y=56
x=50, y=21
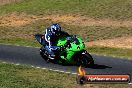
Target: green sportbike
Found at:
x=71, y=50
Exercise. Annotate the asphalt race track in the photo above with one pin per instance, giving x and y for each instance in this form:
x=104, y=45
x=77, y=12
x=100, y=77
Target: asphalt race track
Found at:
x=30, y=56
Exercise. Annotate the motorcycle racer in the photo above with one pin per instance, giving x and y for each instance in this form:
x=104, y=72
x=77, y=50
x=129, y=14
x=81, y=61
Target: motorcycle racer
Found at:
x=51, y=34
x=60, y=47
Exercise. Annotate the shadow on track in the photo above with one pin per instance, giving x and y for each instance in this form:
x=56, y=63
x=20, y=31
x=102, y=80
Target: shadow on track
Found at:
x=97, y=66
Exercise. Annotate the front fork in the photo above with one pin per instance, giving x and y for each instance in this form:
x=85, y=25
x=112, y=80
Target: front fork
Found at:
x=84, y=52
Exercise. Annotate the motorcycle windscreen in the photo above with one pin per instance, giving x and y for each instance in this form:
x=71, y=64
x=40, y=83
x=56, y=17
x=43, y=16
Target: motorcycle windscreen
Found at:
x=39, y=39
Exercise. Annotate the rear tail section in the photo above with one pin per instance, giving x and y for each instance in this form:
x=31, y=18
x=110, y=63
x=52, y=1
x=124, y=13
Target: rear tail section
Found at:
x=39, y=39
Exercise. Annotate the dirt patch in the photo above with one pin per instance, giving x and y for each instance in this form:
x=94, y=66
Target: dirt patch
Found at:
x=3, y=2
x=24, y=19
x=15, y=20
x=85, y=21
x=122, y=42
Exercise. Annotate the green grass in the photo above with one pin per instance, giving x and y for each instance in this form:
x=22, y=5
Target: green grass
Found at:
x=115, y=9
x=12, y=76
x=23, y=76
x=19, y=41
x=117, y=52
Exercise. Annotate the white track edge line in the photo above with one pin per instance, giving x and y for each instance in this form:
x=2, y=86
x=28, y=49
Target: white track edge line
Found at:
x=43, y=68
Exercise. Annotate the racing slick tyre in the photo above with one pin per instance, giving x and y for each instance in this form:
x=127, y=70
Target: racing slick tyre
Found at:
x=86, y=60
x=90, y=59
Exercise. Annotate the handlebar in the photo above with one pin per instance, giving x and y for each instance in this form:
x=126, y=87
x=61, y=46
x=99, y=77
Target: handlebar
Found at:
x=71, y=38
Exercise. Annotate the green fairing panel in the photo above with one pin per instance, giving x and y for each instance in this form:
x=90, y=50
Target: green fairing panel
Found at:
x=77, y=47
x=61, y=41
x=74, y=48
x=70, y=51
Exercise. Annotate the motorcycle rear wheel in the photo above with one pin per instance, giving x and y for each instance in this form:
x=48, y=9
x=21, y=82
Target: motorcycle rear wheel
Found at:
x=43, y=55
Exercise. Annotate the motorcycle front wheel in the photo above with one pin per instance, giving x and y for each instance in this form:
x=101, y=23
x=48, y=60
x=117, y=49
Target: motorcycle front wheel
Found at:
x=86, y=60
